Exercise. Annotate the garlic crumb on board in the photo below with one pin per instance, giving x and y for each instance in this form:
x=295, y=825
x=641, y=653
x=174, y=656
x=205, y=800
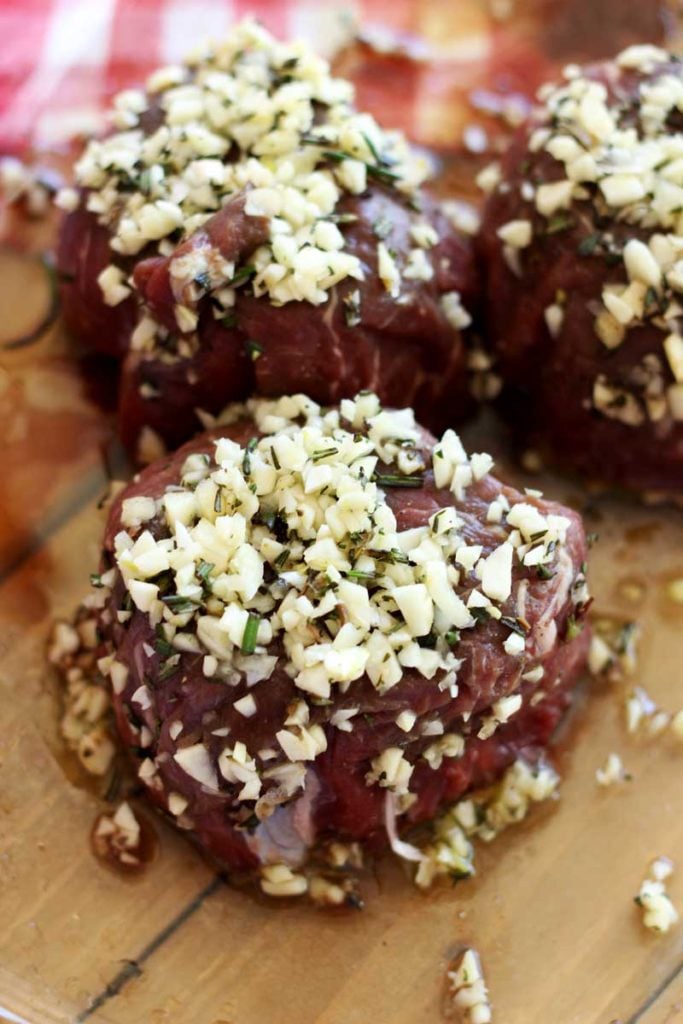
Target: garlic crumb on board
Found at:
x=612, y=772
x=322, y=889
x=483, y=815
x=659, y=913
x=118, y=840
x=643, y=716
x=86, y=709
x=23, y=184
x=467, y=992
x=613, y=652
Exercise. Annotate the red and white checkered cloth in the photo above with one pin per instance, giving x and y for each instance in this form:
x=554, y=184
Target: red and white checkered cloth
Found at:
x=61, y=60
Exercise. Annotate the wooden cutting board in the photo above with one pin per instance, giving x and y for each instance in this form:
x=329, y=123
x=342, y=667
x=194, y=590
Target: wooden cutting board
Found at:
x=551, y=910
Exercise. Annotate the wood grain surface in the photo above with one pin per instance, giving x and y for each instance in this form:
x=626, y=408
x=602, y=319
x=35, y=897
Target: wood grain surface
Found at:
x=551, y=910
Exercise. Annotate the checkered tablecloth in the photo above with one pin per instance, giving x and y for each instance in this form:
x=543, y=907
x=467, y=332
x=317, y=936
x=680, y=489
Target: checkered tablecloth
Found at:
x=61, y=60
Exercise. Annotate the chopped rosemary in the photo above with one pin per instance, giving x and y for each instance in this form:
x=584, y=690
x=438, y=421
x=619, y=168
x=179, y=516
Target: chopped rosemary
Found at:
x=180, y=604
x=243, y=274
x=560, y=222
x=281, y=560
x=254, y=350
x=246, y=461
x=372, y=147
x=161, y=644
x=229, y=320
x=382, y=174
x=96, y=580
x=394, y=556
x=588, y=245
x=337, y=156
x=544, y=573
x=323, y=453
x=379, y=172
x=203, y=571
x=248, y=645
x=396, y=480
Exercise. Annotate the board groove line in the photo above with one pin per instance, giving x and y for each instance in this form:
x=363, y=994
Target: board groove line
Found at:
x=658, y=992
x=114, y=465
x=133, y=968
x=54, y=522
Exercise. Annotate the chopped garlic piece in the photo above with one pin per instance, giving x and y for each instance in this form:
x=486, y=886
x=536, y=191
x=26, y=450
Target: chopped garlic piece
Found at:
x=468, y=990
x=659, y=913
x=613, y=771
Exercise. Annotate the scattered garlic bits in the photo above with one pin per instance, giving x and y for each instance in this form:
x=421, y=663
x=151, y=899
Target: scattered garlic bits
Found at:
x=643, y=716
x=620, y=153
x=613, y=652
x=247, y=113
x=659, y=913
x=117, y=838
x=289, y=544
x=20, y=183
x=85, y=722
x=612, y=772
x=331, y=885
x=467, y=990
x=483, y=816
x=645, y=719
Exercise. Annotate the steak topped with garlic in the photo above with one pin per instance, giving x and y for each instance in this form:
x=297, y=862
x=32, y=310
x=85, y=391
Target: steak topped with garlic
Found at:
x=581, y=243
x=244, y=229
x=324, y=624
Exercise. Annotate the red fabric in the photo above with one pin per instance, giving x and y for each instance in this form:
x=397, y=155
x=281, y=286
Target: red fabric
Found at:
x=61, y=60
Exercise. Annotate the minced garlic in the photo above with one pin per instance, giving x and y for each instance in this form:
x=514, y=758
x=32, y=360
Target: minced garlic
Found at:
x=85, y=722
x=483, y=816
x=22, y=183
x=659, y=913
x=117, y=837
x=468, y=990
x=643, y=715
x=613, y=771
x=290, y=539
